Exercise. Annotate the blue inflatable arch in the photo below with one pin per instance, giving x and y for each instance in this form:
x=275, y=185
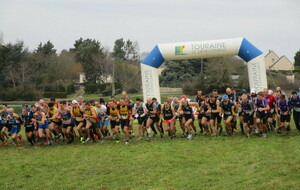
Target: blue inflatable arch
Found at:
x=203, y=49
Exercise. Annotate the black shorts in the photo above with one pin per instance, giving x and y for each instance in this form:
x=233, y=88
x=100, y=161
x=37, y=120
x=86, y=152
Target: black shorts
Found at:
x=270, y=115
x=68, y=125
x=215, y=116
x=114, y=123
x=179, y=118
x=200, y=116
x=207, y=117
x=124, y=122
x=262, y=116
x=154, y=119
x=8, y=126
x=29, y=128
x=247, y=118
x=57, y=123
x=187, y=118
x=141, y=120
x=240, y=114
x=285, y=118
x=226, y=116
x=78, y=122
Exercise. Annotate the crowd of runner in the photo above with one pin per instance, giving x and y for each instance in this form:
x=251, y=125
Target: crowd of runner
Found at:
x=99, y=121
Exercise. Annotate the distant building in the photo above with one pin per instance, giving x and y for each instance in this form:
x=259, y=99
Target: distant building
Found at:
x=276, y=63
x=105, y=79
x=1, y=38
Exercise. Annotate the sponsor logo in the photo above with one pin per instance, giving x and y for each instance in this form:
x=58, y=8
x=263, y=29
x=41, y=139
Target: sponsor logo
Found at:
x=179, y=50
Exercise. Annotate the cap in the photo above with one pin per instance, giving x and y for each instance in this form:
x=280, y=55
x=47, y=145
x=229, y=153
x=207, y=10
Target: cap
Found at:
x=225, y=96
x=270, y=91
x=182, y=97
x=253, y=90
x=74, y=102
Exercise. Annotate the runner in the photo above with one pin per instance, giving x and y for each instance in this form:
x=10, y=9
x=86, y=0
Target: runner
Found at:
x=272, y=103
x=151, y=109
x=54, y=121
x=28, y=124
x=14, y=122
x=125, y=116
x=247, y=110
x=103, y=119
x=283, y=110
x=218, y=118
x=227, y=111
x=113, y=116
x=66, y=118
x=175, y=105
x=295, y=105
x=261, y=106
x=40, y=120
x=169, y=116
x=186, y=110
x=199, y=98
x=214, y=106
x=77, y=114
x=90, y=116
x=205, y=113
x=5, y=126
x=139, y=112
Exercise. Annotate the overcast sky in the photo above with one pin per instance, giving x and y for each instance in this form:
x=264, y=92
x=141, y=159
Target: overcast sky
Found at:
x=268, y=24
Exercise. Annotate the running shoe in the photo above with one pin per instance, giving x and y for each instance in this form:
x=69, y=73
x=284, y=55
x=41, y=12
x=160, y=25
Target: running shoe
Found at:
x=189, y=136
x=235, y=130
x=21, y=138
x=81, y=139
x=126, y=143
x=117, y=141
x=4, y=143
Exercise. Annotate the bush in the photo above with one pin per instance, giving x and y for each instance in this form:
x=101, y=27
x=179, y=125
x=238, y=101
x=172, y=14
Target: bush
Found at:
x=95, y=88
x=70, y=88
x=55, y=94
x=19, y=94
x=132, y=90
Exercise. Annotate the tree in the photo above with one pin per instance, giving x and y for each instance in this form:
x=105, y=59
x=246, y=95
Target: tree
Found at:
x=91, y=55
x=297, y=61
x=118, y=51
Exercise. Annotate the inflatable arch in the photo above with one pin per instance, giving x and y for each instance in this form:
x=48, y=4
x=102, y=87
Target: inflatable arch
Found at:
x=203, y=49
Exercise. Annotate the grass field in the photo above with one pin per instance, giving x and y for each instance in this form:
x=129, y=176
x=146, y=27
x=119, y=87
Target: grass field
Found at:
x=203, y=163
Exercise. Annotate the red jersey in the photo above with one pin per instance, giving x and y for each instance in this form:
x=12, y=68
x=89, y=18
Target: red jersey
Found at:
x=271, y=100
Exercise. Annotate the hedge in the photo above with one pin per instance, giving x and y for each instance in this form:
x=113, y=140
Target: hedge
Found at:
x=55, y=94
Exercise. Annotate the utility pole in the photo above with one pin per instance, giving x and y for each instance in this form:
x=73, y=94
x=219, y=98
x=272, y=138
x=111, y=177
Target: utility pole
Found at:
x=113, y=91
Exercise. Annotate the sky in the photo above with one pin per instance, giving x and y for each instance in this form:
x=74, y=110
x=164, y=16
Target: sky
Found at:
x=268, y=24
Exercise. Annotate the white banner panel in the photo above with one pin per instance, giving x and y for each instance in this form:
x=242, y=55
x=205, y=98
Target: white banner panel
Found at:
x=200, y=49
x=257, y=73
x=150, y=82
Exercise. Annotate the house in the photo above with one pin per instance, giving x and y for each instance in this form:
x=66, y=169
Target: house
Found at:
x=105, y=79
x=276, y=63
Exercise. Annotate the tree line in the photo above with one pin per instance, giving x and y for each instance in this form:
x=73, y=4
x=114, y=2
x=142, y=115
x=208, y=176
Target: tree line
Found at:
x=29, y=75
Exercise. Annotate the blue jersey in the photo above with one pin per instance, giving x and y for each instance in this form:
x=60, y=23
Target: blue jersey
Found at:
x=263, y=103
x=283, y=106
x=295, y=103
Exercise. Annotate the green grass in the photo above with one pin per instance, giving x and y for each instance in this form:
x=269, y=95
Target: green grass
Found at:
x=203, y=163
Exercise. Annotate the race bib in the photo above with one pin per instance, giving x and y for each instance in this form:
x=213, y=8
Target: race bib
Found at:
x=124, y=116
x=28, y=125
x=114, y=117
x=227, y=113
x=152, y=115
x=297, y=109
x=78, y=118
